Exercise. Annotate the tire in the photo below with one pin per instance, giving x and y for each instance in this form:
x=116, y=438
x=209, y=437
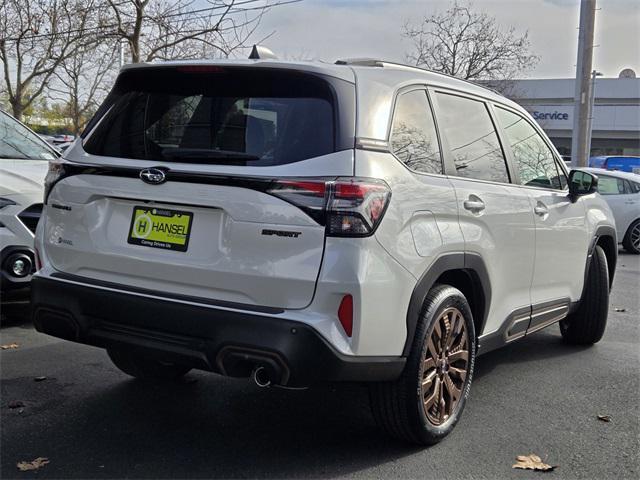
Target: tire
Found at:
x=146, y=368
x=586, y=325
x=400, y=407
x=631, y=241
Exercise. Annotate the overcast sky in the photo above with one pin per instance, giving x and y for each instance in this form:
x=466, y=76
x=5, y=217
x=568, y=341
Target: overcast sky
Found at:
x=332, y=29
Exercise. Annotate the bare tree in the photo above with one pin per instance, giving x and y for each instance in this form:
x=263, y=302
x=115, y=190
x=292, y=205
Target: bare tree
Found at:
x=83, y=79
x=37, y=36
x=169, y=29
x=468, y=44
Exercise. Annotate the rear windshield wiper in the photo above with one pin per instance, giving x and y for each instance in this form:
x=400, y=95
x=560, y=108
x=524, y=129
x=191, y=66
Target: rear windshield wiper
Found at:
x=205, y=154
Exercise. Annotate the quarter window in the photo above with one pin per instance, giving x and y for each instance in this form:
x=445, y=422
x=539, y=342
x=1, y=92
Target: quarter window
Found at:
x=472, y=138
x=413, y=136
x=534, y=159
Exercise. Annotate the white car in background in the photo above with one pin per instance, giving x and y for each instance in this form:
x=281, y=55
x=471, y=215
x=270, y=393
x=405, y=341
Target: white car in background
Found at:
x=24, y=158
x=621, y=190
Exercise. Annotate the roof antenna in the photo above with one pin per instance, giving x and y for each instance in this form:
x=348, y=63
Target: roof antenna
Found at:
x=259, y=52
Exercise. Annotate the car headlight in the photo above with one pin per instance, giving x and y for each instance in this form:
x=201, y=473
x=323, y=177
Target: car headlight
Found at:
x=5, y=202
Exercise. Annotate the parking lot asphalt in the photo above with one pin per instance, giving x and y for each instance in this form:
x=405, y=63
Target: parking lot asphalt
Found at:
x=535, y=396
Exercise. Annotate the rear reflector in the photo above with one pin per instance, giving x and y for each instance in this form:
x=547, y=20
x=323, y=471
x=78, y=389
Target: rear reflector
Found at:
x=345, y=314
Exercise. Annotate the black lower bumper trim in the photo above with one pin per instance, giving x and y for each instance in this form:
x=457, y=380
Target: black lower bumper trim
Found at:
x=226, y=342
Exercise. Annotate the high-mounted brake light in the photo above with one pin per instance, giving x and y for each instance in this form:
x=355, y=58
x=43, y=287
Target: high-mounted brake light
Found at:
x=200, y=69
x=348, y=207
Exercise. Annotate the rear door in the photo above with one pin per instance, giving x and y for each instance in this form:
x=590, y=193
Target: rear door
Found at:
x=495, y=216
x=195, y=182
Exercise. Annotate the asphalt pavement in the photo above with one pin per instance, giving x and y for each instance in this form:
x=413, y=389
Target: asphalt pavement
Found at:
x=535, y=396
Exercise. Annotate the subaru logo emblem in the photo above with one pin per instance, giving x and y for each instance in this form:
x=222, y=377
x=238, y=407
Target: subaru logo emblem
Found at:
x=153, y=176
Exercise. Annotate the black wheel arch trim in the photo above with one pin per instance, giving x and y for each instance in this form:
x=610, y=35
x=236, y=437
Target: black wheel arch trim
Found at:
x=456, y=261
x=603, y=231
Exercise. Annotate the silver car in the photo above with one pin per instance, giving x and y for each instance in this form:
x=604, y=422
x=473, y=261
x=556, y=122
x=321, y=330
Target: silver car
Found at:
x=621, y=190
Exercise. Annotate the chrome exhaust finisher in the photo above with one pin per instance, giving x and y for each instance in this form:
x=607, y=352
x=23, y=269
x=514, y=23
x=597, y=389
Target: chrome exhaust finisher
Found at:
x=261, y=377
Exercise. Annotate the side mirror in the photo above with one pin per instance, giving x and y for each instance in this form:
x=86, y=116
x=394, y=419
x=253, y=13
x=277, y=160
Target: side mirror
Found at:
x=582, y=183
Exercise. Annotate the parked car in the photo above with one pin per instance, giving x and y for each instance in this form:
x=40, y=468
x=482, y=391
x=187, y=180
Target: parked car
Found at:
x=302, y=222
x=63, y=139
x=24, y=158
x=624, y=163
x=621, y=190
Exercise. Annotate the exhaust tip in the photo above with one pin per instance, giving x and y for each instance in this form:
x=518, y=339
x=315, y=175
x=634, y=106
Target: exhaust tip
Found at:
x=261, y=377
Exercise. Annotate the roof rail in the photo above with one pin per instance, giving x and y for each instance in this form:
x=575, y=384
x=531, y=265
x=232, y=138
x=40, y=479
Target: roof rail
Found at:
x=372, y=62
x=361, y=62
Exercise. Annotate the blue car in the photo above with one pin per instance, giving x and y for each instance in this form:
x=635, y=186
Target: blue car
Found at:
x=622, y=163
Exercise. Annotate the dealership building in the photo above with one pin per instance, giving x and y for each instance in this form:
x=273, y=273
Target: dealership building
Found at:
x=616, y=114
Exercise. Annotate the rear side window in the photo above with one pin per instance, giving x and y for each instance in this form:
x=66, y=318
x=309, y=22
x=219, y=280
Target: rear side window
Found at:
x=534, y=160
x=632, y=187
x=413, y=136
x=472, y=138
x=216, y=115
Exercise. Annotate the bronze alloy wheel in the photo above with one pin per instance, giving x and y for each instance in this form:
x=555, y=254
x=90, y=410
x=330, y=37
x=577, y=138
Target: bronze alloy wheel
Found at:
x=445, y=366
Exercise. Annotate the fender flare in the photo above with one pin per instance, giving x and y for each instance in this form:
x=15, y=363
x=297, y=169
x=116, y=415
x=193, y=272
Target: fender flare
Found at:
x=603, y=231
x=469, y=262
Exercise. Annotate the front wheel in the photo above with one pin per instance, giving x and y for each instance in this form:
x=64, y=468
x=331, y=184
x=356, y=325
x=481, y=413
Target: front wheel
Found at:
x=425, y=403
x=144, y=367
x=586, y=325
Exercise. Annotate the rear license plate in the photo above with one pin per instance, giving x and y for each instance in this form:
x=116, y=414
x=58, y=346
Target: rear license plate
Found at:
x=160, y=228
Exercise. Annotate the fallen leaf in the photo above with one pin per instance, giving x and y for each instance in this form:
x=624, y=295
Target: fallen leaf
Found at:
x=33, y=465
x=617, y=309
x=532, y=462
x=39, y=379
x=604, y=418
x=15, y=404
x=10, y=346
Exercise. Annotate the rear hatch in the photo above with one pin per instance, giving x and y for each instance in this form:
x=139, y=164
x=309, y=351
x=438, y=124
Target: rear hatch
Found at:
x=186, y=183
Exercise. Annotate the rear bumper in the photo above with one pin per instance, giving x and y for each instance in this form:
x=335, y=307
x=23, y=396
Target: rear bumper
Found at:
x=225, y=341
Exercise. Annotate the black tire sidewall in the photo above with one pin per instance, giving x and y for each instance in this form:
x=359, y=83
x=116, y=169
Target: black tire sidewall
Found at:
x=441, y=297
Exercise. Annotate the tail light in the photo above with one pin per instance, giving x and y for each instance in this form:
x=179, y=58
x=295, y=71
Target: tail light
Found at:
x=56, y=172
x=348, y=207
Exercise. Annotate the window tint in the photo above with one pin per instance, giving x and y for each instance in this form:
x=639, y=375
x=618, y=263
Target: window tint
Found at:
x=610, y=185
x=217, y=116
x=472, y=138
x=632, y=187
x=413, y=136
x=533, y=158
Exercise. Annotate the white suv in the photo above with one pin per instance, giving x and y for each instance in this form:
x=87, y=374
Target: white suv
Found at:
x=301, y=222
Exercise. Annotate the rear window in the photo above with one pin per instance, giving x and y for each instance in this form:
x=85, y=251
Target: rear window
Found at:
x=201, y=114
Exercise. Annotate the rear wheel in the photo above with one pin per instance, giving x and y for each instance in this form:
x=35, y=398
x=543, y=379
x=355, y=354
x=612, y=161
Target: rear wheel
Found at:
x=425, y=403
x=586, y=325
x=143, y=367
x=631, y=241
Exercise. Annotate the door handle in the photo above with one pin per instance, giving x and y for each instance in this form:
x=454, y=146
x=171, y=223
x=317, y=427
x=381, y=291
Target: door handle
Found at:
x=540, y=209
x=474, y=205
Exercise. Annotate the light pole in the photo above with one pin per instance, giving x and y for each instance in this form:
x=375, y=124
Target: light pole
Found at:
x=582, y=94
x=594, y=74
